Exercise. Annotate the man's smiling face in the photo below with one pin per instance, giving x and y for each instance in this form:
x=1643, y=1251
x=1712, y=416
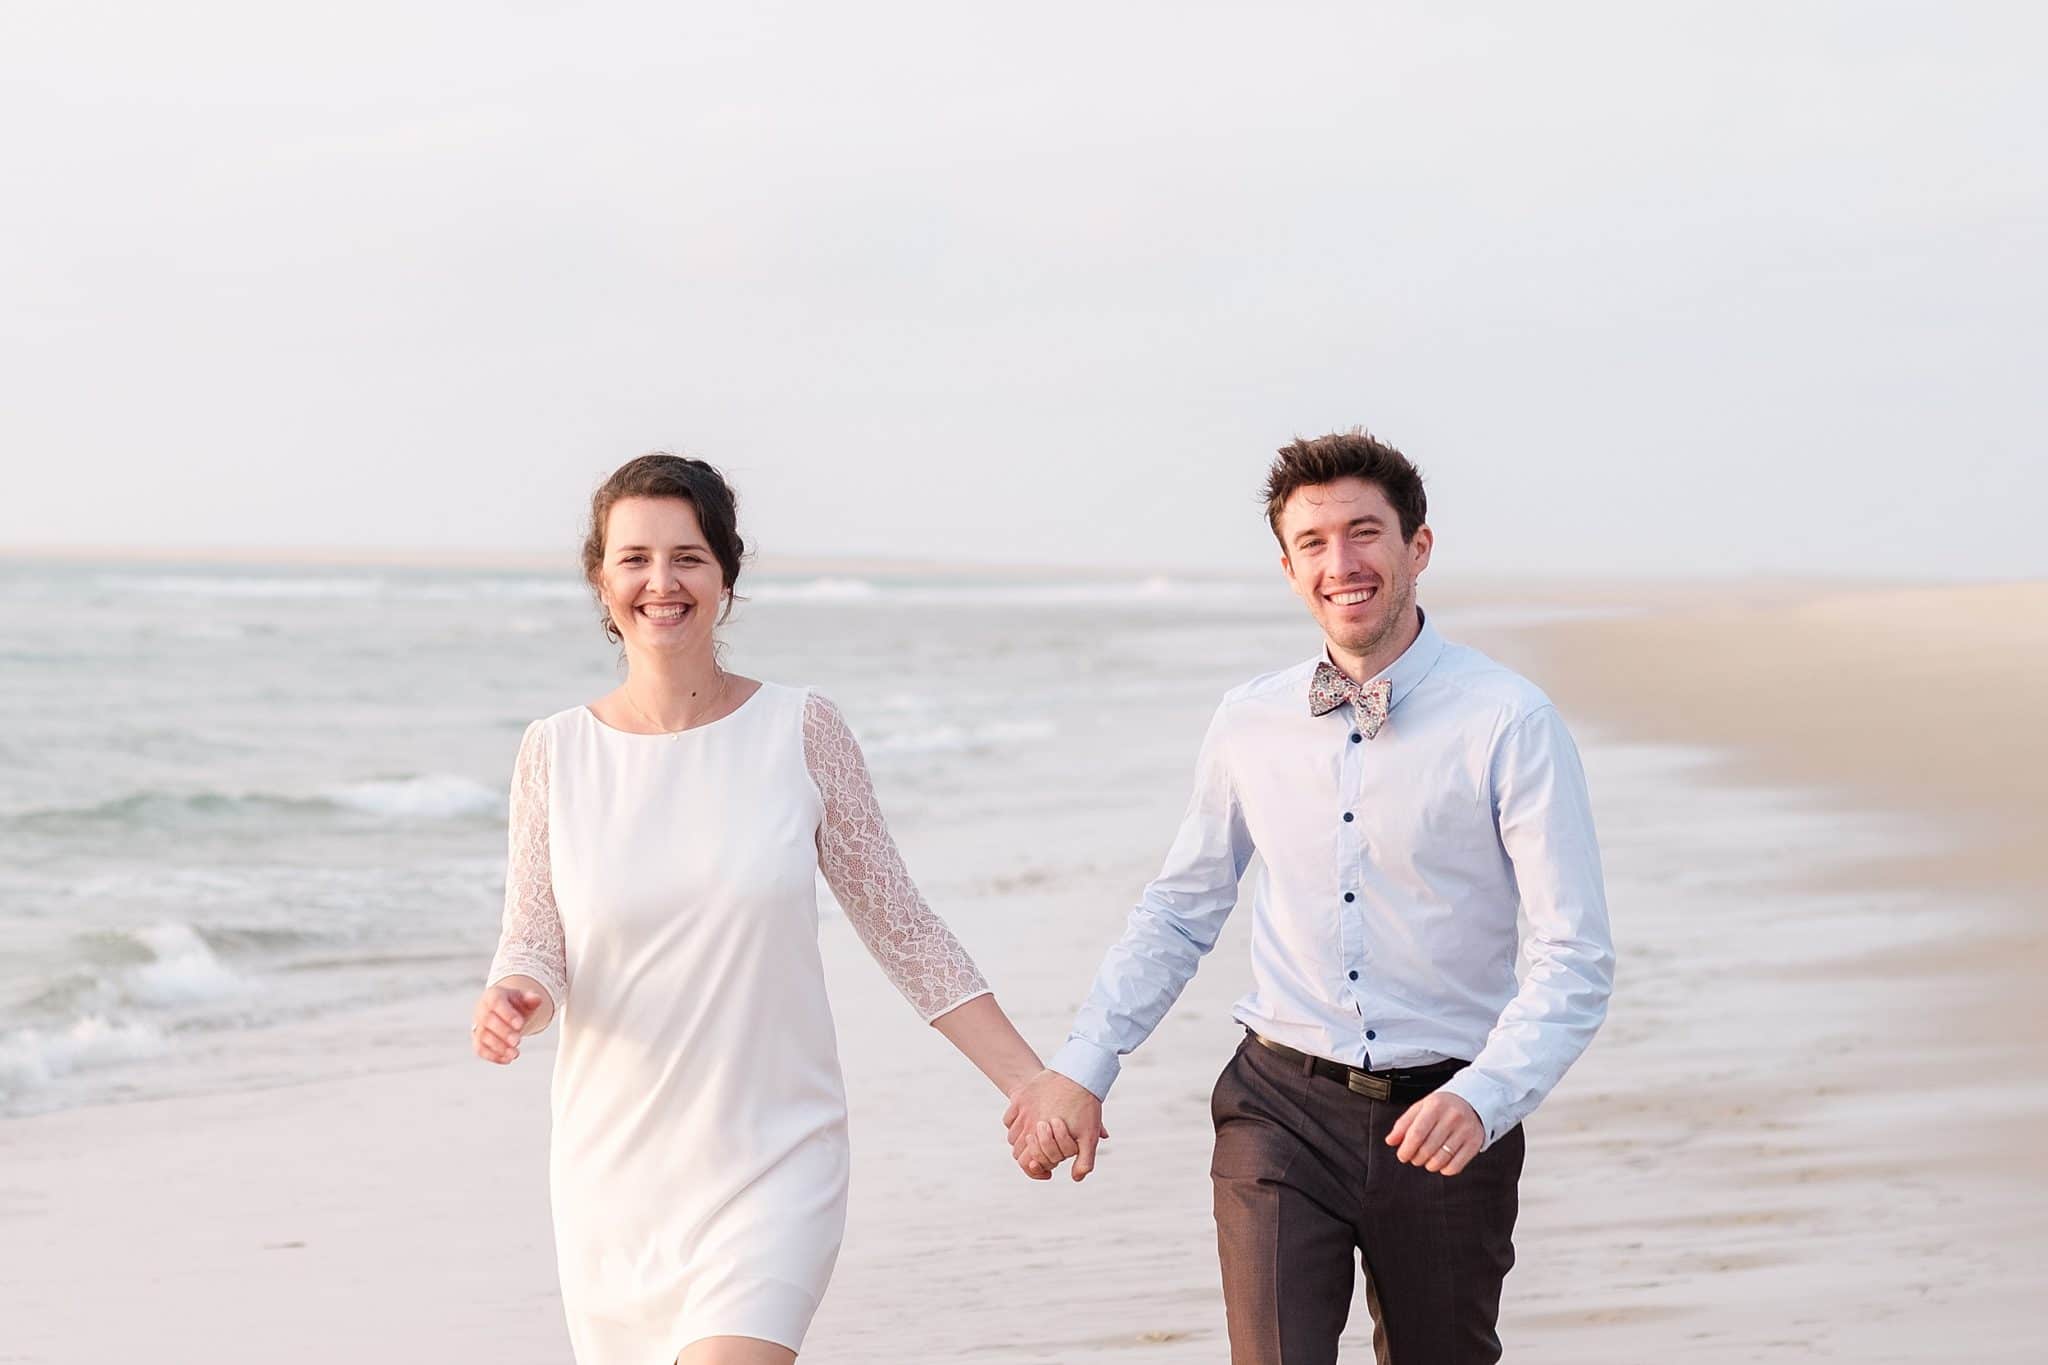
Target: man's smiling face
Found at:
x=1342, y=551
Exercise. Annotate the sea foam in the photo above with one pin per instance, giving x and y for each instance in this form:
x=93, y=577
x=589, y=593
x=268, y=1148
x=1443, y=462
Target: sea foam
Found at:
x=818, y=590
x=431, y=797
x=1155, y=590
x=35, y=1057
x=939, y=739
x=226, y=586
x=182, y=970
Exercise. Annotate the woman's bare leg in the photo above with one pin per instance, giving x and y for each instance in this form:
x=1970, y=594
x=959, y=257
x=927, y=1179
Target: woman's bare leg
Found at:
x=735, y=1351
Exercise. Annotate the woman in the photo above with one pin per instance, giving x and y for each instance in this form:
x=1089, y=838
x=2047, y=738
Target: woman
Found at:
x=661, y=899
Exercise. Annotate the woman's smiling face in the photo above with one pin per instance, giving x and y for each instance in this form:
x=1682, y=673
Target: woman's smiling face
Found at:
x=659, y=580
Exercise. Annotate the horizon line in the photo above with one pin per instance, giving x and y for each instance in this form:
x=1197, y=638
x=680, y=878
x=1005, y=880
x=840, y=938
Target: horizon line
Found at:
x=508, y=559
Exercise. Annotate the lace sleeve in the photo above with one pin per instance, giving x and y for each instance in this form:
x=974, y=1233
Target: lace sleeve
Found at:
x=530, y=943
x=864, y=870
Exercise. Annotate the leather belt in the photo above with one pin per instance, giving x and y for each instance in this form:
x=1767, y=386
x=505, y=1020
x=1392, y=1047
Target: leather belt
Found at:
x=1405, y=1084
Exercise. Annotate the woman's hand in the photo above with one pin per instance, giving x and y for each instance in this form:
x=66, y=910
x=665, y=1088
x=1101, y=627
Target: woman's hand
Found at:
x=1051, y=1118
x=505, y=1013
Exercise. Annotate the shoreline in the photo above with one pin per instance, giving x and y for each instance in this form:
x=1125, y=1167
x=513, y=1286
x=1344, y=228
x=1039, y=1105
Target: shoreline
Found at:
x=1909, y=1081
x=1917, y=704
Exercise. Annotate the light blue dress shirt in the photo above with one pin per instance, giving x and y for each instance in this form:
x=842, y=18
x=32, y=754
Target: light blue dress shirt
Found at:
x=1384, y=917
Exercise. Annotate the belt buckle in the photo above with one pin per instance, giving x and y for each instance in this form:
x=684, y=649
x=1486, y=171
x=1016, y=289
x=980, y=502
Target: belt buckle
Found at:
x=1367, y=1084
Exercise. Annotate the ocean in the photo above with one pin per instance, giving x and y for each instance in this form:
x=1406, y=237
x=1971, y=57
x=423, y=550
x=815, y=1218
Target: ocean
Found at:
x=242, y=796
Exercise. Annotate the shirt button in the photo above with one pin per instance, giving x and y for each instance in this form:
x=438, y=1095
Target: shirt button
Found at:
x=1348, y=897
x=1347, y=817
x=1370, y=1035
x=1354, y=977
x=1356, y=737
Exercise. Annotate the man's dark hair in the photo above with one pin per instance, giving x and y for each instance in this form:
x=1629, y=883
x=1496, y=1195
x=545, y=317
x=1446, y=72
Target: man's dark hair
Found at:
x=1353, y=454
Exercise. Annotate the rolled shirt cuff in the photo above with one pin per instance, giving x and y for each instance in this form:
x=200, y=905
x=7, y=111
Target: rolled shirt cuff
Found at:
x=1087, y=1064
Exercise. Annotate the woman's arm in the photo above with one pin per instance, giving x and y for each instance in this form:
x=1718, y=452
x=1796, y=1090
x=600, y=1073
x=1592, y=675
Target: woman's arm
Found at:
x=986, y=1037
x=861, y=864
x=918, y=952
x=529, y=976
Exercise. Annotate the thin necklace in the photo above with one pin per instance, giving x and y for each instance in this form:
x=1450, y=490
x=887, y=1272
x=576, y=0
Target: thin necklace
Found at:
x=724, y=680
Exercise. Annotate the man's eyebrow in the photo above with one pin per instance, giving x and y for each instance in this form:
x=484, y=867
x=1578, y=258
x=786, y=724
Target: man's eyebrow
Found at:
x=1369, y=519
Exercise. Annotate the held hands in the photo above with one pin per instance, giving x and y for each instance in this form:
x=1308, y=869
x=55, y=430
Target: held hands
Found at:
x=1051, y=1118
x=1439, y=1132
x=504, y=1013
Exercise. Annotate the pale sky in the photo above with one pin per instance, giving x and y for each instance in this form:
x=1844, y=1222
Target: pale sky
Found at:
x=1671, y=288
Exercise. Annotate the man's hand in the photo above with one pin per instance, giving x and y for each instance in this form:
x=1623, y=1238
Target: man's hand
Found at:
x=1051, y=1118
x=1439, y=1132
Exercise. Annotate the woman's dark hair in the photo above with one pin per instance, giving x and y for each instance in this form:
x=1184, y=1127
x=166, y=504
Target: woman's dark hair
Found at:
x=1353, y=454
x=662, y=475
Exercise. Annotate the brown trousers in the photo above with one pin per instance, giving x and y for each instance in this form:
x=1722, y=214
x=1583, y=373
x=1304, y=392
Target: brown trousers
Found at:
x=1303, y=1176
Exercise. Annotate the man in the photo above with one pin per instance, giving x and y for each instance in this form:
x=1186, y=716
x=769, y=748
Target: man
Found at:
x=1410, y=797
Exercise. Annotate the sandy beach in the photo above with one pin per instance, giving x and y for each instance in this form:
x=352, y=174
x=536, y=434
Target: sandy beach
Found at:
x=1807, y=1131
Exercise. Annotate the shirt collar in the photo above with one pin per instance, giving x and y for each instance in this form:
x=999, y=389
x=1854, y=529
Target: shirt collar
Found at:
x=1413, y=665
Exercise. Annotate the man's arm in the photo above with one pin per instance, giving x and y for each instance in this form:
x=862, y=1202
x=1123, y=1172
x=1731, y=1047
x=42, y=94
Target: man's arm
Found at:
x=1545, y=818
x=1175, y=922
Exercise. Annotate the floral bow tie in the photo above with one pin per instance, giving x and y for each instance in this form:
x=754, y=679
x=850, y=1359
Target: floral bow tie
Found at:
x=1330, y=689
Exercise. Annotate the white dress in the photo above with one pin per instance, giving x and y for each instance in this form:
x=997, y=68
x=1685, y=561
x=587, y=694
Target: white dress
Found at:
x=663, y=889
